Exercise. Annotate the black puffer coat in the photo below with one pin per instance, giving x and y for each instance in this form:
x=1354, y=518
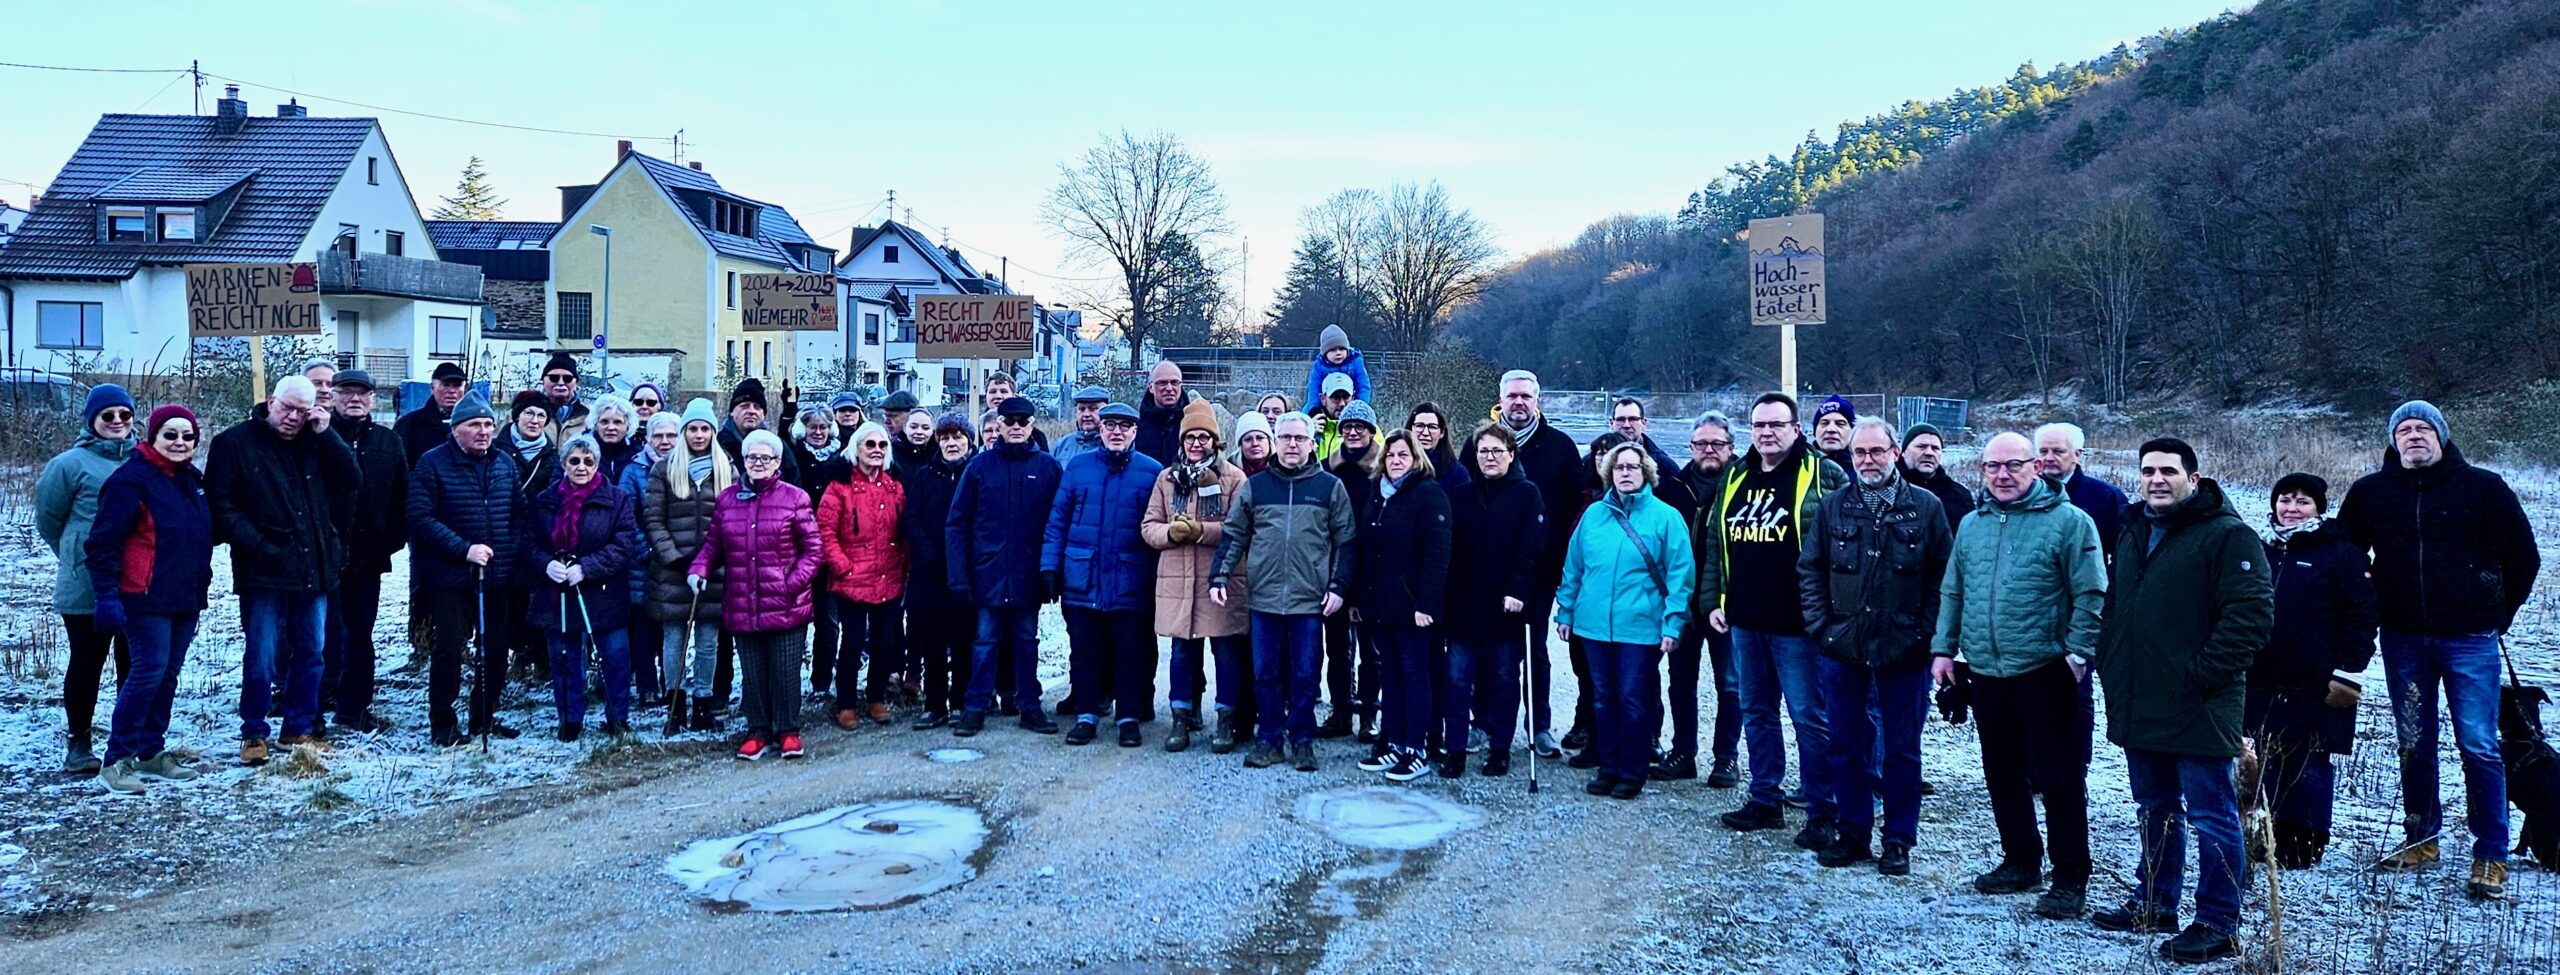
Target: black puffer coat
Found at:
x=457, y=501
x=676, y=528
x=1401, y=554
x=284, y=506
x=1497, y=533
x=2325, y=620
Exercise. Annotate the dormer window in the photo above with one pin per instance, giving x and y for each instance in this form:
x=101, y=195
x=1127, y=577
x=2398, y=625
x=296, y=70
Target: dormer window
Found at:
x=734, y=219
x=177, y=224
x=132, y=226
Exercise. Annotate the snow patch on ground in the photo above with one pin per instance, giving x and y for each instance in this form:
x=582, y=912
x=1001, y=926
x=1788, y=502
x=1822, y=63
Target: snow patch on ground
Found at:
x=1381, y=818
x=867, y=856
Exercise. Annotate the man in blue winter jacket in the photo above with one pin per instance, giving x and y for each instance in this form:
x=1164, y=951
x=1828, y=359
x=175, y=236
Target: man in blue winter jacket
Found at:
x=998, y=513
x=1093, y=557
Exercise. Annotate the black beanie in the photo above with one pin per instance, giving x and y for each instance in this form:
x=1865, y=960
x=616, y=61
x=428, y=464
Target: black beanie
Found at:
x=531, y=398
x=750, y=390
x=560, y=361
x=2302, y=483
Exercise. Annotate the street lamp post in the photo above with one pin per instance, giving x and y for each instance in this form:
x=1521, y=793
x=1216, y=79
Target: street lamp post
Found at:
x=604, y=320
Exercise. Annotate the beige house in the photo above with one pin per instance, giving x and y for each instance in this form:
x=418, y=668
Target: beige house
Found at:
x=679, y=242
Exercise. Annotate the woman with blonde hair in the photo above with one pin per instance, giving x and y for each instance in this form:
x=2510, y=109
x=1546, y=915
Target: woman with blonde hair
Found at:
x=676, y=516
x=1401, y=571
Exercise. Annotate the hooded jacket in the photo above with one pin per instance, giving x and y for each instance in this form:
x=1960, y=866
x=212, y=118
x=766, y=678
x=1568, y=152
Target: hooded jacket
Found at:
x=2025, y=585
x=1611, y=592
x=608, y=542
x=929, y=485
x=1091, y=538
x=284, y=506
x=66, y=504
x=2453, y=554
x=1352, y=366
x=858, y=528
x=1497, y=532
x=380, y=528
x=151, y=546
x=1292, y=529
x=1183, y=609
x=457, y=501
x=2324, y=625
x=1401, y=562
x=764, y=549
x=999, y=513
x=1871, y=580
x=2185, y=618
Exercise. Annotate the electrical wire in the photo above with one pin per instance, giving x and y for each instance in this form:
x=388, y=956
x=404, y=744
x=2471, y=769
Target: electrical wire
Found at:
x=440, y=118
x=66, y=67
x=164, y=89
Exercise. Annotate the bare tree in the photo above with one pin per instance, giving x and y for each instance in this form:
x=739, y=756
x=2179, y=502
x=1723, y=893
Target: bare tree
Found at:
x=2031, y=279
x=1122, y=201
x=2117, y=252
x=1348, y=219
x=1432, y=257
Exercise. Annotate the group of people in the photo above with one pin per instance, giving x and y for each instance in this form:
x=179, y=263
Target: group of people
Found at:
x=1406, y=577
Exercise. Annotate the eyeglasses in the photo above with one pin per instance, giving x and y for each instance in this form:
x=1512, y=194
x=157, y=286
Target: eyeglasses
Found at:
x=1710, y=444
x=1627, y=468
x=1871, y=452
x=1492, y=450
x=1118, y=425
x=1425, y=424
x=1772, y=424
x=115, y=413
x=1295, y=437
x=583, y=460
x=2008, y=466
x=174, y=435
x=1196, y=436
x=644, y=402
x=763, y=459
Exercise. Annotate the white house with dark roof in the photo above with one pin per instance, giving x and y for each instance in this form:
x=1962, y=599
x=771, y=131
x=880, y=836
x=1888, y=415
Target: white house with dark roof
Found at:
x=891, y=264
x=94, y=281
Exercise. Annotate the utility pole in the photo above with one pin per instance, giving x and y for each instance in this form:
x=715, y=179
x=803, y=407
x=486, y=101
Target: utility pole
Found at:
x=196, y=68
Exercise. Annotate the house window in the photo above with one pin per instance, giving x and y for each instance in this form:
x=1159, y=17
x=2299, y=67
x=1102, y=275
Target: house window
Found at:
x=734, y=219
x=392, y=243
x=729, y=358
x=733, y=289
x=888, y=254
x=954, y=382
x=870, y=328
x=71, y=324
x=128, y=225
x=177, y=224
x=346, y=242
x=577, y=314
x=373, y=170
x=768, y=361
x=444, y=337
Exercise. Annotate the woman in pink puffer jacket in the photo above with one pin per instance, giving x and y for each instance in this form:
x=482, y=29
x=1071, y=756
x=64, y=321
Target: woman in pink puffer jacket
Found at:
x=764, y=544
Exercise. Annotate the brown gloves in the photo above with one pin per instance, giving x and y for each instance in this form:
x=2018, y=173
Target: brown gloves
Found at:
x=2343, y=694
x=1184, y=530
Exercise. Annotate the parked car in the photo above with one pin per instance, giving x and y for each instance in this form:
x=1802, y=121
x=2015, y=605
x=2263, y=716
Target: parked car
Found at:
x=24, y=390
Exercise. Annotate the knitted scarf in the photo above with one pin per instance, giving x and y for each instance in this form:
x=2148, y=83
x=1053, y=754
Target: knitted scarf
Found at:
x=573, y=498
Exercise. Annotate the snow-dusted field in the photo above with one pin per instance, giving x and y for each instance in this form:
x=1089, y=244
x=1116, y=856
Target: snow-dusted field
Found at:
x=550, y=857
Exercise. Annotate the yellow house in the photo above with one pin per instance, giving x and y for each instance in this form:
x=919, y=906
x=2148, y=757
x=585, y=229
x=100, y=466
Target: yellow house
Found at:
x=678, y=242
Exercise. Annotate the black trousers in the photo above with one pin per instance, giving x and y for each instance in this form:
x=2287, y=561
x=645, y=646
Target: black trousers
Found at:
x=90, y=647
x=2033, y=740
x=940, y=643
x=648, y=641
x=358, y=605
x=1111, y=659
x=454, y=615
x=867, y=628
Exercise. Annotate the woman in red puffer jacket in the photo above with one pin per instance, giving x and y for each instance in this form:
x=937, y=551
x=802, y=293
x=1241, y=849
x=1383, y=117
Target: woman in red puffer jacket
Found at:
x=866, y=561
x=764, y=545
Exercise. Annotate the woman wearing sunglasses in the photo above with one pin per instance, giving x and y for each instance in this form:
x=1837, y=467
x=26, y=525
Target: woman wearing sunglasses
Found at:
x=581, y=534
x=866, y=561
x=764, y=549
x=66, y=503
x=148, y=560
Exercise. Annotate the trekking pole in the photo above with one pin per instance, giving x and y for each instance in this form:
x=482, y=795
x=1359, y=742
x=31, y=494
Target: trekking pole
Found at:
x=480, y=665
x=1529, y=709
x=595, y=656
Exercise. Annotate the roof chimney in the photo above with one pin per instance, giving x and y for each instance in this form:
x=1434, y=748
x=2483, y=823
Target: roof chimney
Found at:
x=696, y=164
x=292, y=108
x=230, y=113
x=621, y=148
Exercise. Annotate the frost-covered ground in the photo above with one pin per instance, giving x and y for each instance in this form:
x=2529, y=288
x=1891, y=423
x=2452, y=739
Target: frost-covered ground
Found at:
x=550, y=857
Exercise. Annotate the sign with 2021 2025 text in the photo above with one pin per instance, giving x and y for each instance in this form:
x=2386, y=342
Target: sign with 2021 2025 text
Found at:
x=973, y=326
x=787, y=302
x=1786, y=271
x=241, y=300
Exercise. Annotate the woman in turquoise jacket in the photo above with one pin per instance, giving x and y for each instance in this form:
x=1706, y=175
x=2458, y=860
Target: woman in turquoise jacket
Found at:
x=1625, y=592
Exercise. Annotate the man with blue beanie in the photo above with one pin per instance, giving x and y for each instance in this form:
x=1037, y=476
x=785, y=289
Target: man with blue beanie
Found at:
x=2453, y=559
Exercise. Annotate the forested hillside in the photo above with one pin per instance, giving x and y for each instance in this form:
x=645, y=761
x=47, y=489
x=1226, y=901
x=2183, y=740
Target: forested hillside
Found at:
x=2342, y=199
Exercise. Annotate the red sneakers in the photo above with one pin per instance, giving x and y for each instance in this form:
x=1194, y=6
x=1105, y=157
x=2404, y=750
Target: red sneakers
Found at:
x=751, y=749
x=791, y=744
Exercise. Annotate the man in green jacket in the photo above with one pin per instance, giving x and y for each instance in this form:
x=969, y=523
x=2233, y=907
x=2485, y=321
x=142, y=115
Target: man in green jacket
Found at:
x=2188, y=608
x=2020, y=604
x=1749, y=536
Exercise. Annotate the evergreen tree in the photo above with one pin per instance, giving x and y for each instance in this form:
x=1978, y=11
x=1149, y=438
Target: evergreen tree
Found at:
x=1185, y=310
x=1317, y=292
x=473, y=198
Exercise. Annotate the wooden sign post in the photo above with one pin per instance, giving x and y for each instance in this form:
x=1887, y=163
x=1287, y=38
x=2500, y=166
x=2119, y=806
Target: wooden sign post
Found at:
x=973, y=327
x=1787, y=281
x=253, y=301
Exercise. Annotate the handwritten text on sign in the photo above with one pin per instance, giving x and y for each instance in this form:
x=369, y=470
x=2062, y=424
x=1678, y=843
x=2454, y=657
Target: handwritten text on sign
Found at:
x=787, y=302
x=1786, y=271
x=239, y=300
x=973, y=326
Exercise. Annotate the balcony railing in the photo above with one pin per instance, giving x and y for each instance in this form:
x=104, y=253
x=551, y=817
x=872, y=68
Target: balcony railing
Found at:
x=399, y=277
x=389, y=370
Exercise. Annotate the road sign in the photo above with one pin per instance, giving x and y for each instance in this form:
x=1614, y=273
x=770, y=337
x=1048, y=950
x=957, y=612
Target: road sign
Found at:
x=787, y=302
x=973, y=326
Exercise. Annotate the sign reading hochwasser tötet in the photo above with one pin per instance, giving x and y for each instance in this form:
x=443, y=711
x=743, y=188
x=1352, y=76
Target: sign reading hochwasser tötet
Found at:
x=240, y=300
x=973, y=326
x=1786, y=270
x=787, y=302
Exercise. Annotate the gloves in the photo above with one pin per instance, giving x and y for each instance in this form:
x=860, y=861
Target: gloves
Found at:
x=1957, y=697
x=557, y=571
x=2343, y=695
x=1050, y=588
x=573, y=576
x=110, y=616
x=1184, y=530
x=696, y=583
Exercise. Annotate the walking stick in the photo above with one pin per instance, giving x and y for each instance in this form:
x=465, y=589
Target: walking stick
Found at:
x=480, y=665
x=1529, y=708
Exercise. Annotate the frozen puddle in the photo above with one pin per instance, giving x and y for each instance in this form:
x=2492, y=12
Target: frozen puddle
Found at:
x=953, y=756
x=1380, y=818
x=874, y=855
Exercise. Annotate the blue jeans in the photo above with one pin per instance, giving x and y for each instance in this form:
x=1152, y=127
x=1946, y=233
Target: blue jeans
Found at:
x=1771, y=669
x=283, y=632
x=1408, y=656
x=1234, y=681
x=1898, y=698
x=1626, y=685
x=1484, y=674
x=705, y=659
x=1018, y=626
x=569, y=675
x=2467, y=666
x=1288, y=661
x=140, y=726
x=2171, y=793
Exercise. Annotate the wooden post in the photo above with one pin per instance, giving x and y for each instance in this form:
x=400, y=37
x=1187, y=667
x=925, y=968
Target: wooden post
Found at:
x=257, y=369
x=977, y=391
x=1787, y=358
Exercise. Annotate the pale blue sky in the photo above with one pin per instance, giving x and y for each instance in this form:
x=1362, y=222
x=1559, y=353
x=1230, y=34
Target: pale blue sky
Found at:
x=1540, y=116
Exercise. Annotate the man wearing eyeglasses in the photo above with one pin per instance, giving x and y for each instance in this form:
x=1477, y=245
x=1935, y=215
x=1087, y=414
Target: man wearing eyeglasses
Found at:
x=1751, y=533
x=1290, y=528
x=1093, y=558
x=999, y=512
x=380, y=528
x=1710, y=450
x=1160, y=415
x=2021, y=604
x=1549, y=459
x=999, y=391
x=560, y=388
